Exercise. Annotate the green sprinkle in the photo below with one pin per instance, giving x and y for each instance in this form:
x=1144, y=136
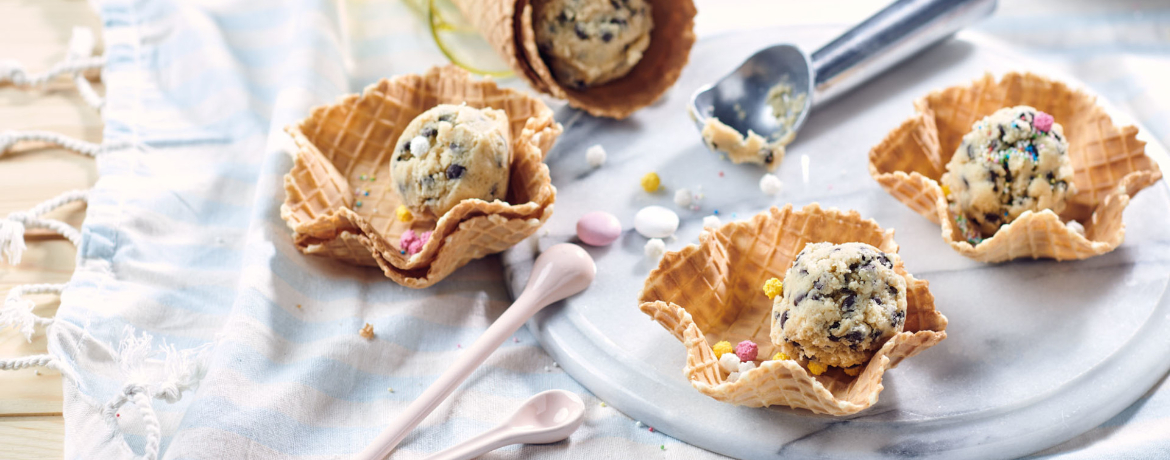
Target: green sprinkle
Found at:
x=663, y=447
x=362, y=177
x=359, y=204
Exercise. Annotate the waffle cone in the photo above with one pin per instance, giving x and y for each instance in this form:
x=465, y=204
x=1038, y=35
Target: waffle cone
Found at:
x=507, y=25
x=1109, y=164
x=711, y=291
x=343, y=152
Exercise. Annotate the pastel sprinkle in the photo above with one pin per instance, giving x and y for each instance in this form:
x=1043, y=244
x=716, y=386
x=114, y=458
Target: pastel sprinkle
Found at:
x=603, y=404
x=853, y=371
x=403, y=214
x=362, y=177
x=390, y=389
x=946, y=190
x=358, y=204
x=816, y=368
x=367, y=193
x=721, y=348
x=663, y=446
x=720, y=173
x=773, y=287
x=1043, y=121
x=747, y=350
x=651, y=429
x=780, y=356
x=651, y=182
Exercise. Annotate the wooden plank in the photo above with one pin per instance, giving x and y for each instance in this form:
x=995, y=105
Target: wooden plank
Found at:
x=37, y=34
x=32, y=438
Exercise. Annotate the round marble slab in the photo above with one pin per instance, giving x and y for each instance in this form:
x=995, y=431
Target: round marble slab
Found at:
x=1037, y=351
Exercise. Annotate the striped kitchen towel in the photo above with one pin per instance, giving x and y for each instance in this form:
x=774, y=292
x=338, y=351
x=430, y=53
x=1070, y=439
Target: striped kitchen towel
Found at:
x=193, y=328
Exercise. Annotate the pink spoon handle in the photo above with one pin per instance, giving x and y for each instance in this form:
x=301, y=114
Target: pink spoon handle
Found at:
x=561, y=271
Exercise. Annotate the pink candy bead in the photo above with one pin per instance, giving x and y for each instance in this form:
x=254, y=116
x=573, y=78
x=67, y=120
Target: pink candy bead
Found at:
x=1043, y=121
x=747, y=350
x=412, y=243
x=598, y=228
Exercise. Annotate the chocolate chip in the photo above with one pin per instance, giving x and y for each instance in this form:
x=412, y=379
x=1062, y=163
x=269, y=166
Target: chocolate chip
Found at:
x=406, y=146
x=618, y=21
x=455, y=171
x=899, y=317
x=800, y=298
x=855, y=336
x=835, y=325
x=428, y=181
x=405, y=156
x=783, y=318
x=819, y=284
x=455, y=147
x=893, y=290
x=991, y=217
x=803, y=271
x=616, y=5
x=769, y=158
x=606, y=36
x=970, y=151
x=428, y=132
x=495, y=188
x=848, y=303
x=885, y=261
x=876, y=299
x=580, y=32
x=447, y=117
x=562, y=18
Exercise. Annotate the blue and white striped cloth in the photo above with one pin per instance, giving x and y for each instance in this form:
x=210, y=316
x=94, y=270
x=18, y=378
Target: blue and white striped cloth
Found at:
x=183, y=241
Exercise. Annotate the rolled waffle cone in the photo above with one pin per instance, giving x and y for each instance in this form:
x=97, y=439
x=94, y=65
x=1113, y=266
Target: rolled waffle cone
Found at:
x=507, y=25
x=1109, y=164
x=343, y=158
x=710, y=292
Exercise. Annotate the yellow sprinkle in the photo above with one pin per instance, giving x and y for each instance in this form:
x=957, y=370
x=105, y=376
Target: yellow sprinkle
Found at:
x=946, y=190
x=390, y=389
x=603, y=404
x=404, y=214
x=780, y=356
x=721, y=348
x=853, y=371
x=773, y=288
x=651, y=182
x=816, y=368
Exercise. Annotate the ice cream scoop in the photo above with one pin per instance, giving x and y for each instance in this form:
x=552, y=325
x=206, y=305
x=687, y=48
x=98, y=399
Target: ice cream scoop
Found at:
x=772, y=92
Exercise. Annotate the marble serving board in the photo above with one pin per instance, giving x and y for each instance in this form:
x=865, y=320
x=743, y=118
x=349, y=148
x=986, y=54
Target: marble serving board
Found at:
x=1037, y=351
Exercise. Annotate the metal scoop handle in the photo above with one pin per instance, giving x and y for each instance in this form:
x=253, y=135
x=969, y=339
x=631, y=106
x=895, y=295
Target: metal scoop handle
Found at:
x=893, y=34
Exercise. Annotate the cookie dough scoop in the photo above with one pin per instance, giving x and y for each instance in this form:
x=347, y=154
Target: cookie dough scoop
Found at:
x=452, y=153
x=745, y=103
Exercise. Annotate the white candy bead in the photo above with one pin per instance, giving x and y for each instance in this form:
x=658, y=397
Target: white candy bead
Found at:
x=595, y=155
x=770, y=184
x=712, y=222
x=655, y=222
x=682, y=197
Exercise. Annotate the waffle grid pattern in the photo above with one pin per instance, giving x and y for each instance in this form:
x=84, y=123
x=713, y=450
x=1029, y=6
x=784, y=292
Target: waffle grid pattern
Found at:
x=338, y=205
x=1109, y=163
x=711, y=291
x=507, y=25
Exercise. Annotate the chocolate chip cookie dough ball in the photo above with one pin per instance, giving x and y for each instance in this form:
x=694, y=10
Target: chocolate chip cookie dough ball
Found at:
x=840, y=304
x=590, y=42
x=1012, y=161
x=452, y=153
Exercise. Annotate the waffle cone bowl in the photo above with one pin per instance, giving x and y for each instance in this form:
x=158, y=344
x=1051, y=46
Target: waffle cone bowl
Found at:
x=1109, y=163
x=507, y=25
x=711, y=291
x=340, y=201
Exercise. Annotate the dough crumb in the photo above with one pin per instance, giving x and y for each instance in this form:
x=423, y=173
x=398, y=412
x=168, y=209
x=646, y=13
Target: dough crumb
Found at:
x=367, y=332
x=595, y=155
x=770, y=184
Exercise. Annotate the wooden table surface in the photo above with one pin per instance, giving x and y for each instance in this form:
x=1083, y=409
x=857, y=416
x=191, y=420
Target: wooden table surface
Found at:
x=36, y=33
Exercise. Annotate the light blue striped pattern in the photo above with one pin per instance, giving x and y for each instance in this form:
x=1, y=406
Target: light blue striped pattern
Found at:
x=183, y=239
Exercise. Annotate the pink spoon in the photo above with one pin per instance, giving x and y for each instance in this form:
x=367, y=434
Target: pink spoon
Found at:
x=547, y=417
x=559, y=272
